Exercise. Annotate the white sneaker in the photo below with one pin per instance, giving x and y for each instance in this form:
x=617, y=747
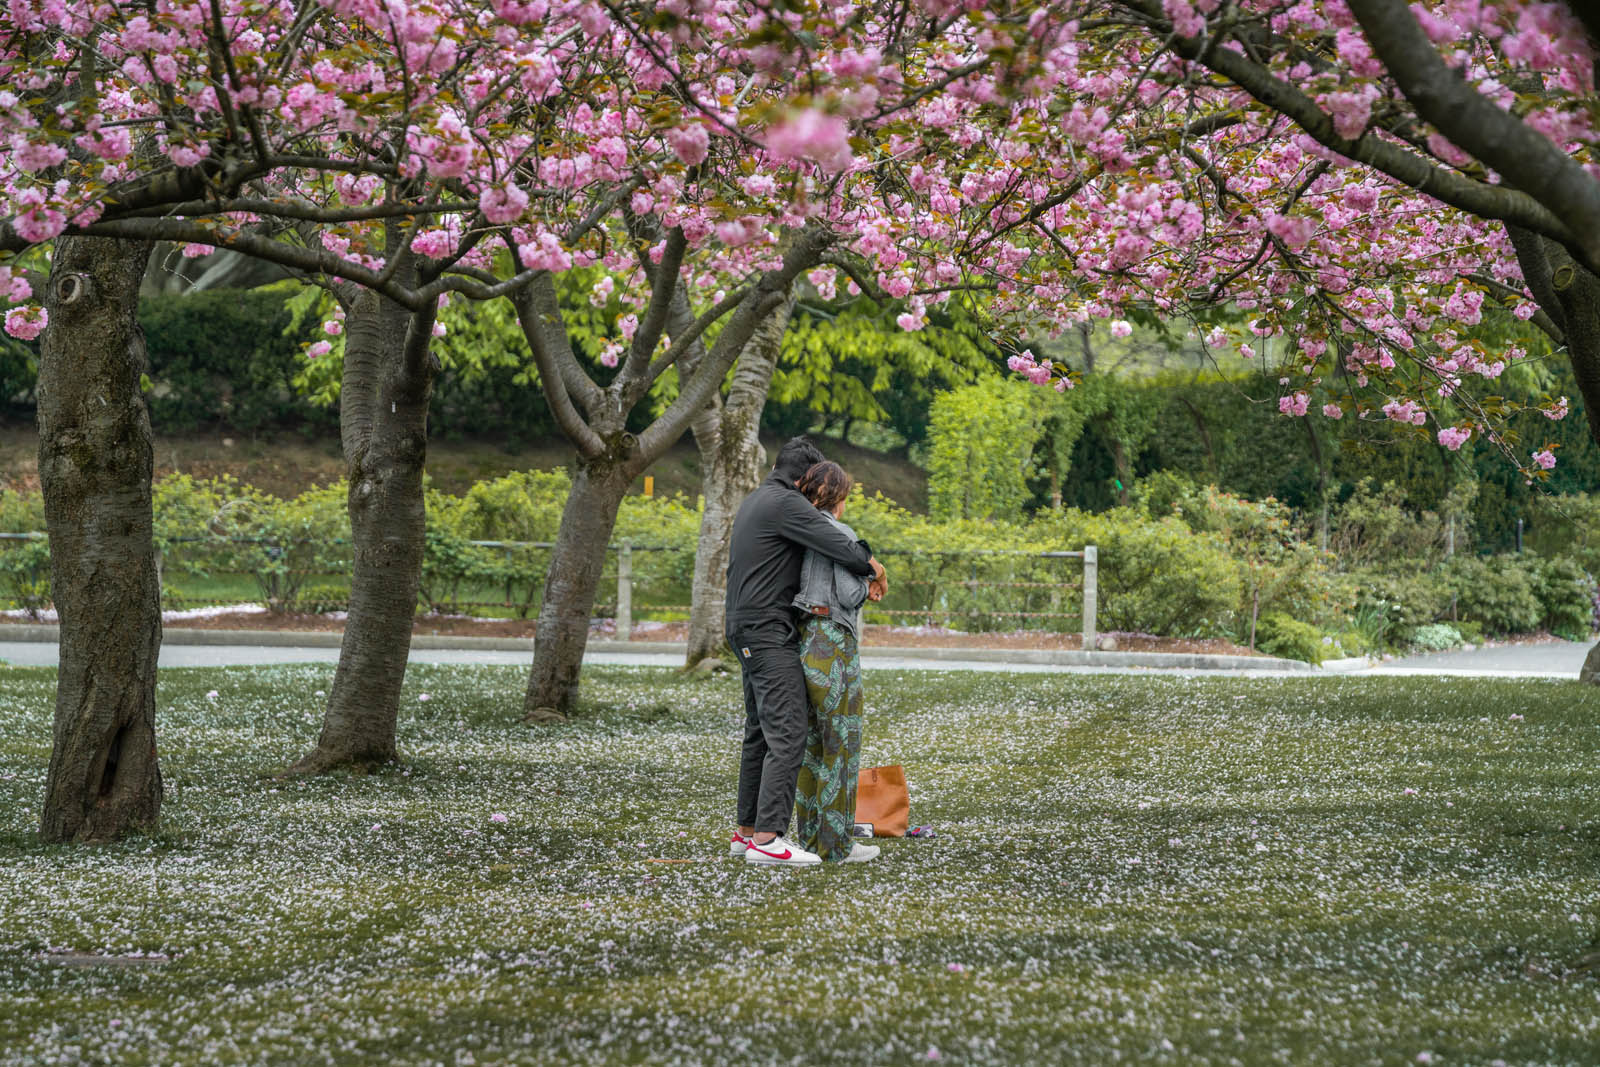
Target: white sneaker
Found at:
x=780, y=853
x=738, y=845
x=860, y=853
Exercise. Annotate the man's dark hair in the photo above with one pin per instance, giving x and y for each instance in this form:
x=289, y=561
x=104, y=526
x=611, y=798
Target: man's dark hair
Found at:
x=796, y=457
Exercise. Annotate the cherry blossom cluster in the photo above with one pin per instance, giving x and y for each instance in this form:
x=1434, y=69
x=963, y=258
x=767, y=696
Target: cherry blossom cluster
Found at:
x=1058, y=162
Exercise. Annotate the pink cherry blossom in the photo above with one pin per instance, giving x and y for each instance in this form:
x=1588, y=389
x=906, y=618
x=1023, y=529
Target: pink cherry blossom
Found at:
x=26, y=323
x=814, y=136
x=501, y=204
x=689, y=143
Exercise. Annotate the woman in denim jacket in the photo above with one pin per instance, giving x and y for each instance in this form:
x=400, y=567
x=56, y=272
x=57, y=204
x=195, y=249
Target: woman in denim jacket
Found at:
x=829, y=603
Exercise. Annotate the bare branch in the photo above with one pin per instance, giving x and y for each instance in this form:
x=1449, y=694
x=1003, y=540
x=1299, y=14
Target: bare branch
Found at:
x=539, y=314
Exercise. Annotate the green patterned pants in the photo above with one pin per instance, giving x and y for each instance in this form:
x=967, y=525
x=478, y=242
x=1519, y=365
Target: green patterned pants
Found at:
x=825, y=800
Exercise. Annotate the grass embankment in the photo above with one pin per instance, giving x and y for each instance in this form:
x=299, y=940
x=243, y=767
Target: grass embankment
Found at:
x=286, y=464
x=1154, y=869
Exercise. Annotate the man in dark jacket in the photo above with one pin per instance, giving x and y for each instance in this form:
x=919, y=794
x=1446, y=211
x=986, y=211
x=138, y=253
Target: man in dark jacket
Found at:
x=774, y=527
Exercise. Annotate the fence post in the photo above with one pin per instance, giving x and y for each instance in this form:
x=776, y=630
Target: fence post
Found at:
x=1091, y=595
x=625, y=592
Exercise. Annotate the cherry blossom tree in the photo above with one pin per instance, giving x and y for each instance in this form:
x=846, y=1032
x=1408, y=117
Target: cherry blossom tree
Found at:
x=326, y=139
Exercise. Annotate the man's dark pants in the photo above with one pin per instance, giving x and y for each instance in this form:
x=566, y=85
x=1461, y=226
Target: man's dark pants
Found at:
x=776, y=709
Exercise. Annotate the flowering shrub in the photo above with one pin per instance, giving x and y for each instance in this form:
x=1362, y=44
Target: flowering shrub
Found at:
x=1435, y=637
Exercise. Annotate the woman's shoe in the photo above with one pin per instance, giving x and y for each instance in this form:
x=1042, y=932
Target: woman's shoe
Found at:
x=860, y=853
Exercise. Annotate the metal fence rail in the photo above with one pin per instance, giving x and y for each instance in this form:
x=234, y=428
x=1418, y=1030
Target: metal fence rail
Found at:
x=986, y=588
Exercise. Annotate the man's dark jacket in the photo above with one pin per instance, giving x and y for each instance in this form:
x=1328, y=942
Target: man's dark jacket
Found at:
x=774, y=527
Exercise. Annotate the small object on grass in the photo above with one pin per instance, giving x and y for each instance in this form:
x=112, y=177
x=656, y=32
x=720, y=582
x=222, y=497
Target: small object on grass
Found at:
x=544, y=716
x=922, y=832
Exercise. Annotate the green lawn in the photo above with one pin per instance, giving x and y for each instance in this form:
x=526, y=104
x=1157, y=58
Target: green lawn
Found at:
x=1141, y=869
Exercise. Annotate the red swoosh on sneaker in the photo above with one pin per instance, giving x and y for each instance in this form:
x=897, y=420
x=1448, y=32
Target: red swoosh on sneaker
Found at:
x=774, y=855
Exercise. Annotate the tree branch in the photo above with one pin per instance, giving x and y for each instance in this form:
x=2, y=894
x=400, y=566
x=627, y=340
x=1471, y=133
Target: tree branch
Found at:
x=1509, y=295
x=768, y=294
x=690, y=333
x=665, y=284
x=1525, y=158
x=539, y=315
x=1447, y=186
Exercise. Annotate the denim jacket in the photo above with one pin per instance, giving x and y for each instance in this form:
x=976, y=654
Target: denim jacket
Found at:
x=835, y=590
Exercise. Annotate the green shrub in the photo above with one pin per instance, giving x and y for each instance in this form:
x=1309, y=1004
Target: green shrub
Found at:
x=1156, y=575
x=980, y=448
x=323, y=598
x=1471, y=631
x=24, y=565
x=1282, y=635
x=224, y=357
x=1566, y=594
x=1436, y=637
x=1389, y=605
x=1354, y=643
x=1501, y=592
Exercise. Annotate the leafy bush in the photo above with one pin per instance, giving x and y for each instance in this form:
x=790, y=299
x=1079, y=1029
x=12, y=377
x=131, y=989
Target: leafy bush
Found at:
x=980, y=449
x=322, y=598
x=1280, y=572
x=224, y=357
x=1436, y=637
x=1282, y=635
x=1390, y=606
x=1158, y=576
x=1501, y=592
x=1354, y=643
x=1566, y=593
x=1379, y=526
x=24, y=565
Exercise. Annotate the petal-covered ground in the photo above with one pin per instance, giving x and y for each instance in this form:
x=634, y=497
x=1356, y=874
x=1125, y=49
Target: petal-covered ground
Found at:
x=1148, y=869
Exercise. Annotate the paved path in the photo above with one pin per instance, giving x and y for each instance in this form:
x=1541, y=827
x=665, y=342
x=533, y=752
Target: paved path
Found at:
x=43, y=654
x=1558, y=659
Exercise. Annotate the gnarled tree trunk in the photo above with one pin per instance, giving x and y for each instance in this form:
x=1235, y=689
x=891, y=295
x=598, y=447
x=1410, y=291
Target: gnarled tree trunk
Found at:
x=576, y=563
x=727, y=434
x=388, y=379
x=610, y=458
x=95, y=463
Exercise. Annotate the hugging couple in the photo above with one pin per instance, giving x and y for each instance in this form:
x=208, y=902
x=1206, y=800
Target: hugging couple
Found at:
x=797, y=577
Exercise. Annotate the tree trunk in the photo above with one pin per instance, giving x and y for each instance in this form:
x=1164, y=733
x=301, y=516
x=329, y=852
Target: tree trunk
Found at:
x=576, y=563
x=95, y=464
x=1569, y=296
x=1119, y=461
x=388, y=379
x=727, y=434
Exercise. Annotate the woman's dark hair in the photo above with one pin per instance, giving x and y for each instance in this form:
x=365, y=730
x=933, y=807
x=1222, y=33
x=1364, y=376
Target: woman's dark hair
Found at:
x=825, y=484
